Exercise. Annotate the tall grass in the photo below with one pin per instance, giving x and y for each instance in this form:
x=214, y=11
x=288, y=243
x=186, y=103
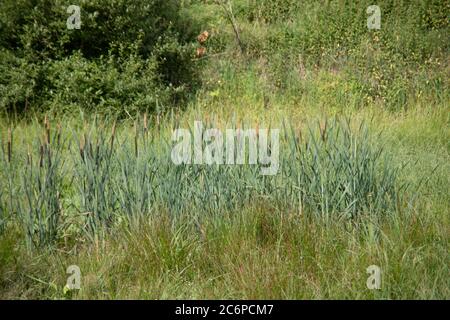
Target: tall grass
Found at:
x=93, y=179
x=40, y=212
x=7, y=176
x=329, y=170
x=343, y=172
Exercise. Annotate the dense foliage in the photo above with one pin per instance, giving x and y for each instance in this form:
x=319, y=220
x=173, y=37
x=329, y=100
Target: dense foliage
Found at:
x=137, y=56
x=291, y=41
x=127, y=56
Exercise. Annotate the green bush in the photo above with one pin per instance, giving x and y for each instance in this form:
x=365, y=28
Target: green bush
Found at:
x=127, y=55
x=104, y=86
x=19, y=82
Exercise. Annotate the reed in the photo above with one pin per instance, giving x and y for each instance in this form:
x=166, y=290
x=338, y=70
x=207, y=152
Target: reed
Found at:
x=93, y=181
x=329, y=171
x=8, y=189
x=40, y=209
x=9, y=145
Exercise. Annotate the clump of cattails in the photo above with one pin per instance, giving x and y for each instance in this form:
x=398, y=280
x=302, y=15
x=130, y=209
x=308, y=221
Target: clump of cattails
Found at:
x=130, y=182
x=40, y=210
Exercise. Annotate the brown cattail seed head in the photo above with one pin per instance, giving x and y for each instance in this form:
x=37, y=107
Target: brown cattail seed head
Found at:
x=9, y=147
x=323, y=130
x=113, y=133
x=135, y=139
x=47, y=130
x=29, y=157
x=145, y=122
x=58, y=138
x=82, y=144
x=300, y=137
x=41, y=156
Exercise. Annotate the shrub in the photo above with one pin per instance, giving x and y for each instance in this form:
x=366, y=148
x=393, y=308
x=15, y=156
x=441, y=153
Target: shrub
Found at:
x=142, y=45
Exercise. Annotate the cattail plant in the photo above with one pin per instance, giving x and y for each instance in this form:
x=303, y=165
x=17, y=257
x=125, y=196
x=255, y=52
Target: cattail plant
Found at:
x=338, y=172
x=3, y=190
x=327, y=169
x=135, y=184
x=47, y=131
x=41, y=210
x=3, y=213
x=136, y=139
x=10, y=189
x=113, y=135
x=10, y=144
x=94, y=182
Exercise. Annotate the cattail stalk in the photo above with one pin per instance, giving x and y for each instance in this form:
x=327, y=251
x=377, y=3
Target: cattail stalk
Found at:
x=47, y=130
x=41, y=156
x=207, y=120
x=135, y=139
x=323, y=130
x=9, y=147
x=58, y=136
x=113, y=134
x=145, y=124
x=300, y=136
x=177, y=120
x=29, y=157
x=82, y=145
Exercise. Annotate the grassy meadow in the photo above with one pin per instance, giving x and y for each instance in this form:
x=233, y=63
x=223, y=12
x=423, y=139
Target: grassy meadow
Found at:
x=364, y=161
